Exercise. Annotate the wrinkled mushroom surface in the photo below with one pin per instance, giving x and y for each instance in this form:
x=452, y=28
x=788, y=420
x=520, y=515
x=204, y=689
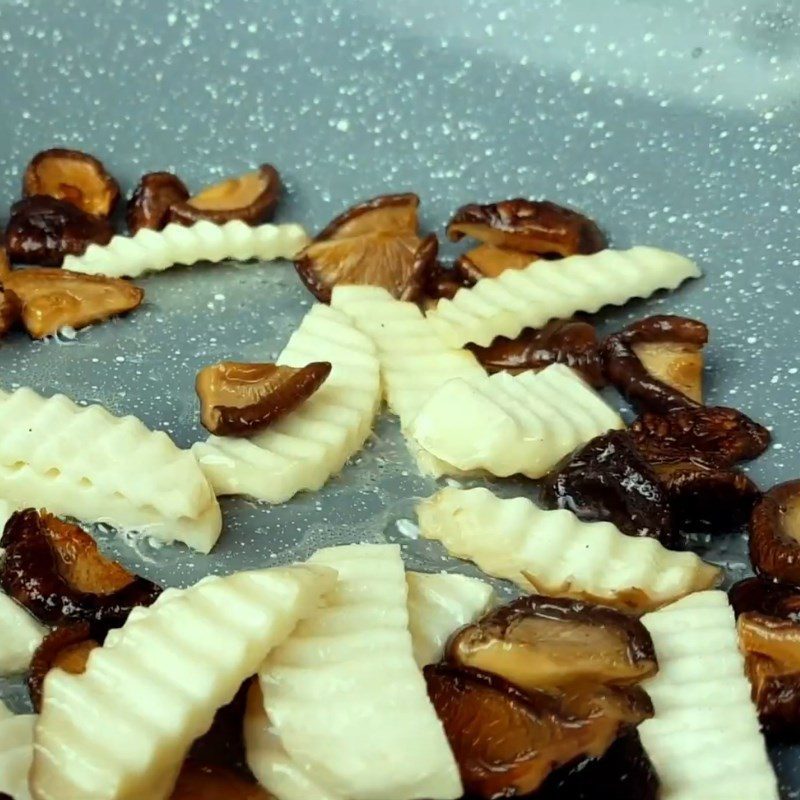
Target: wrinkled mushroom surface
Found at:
x=766, y=596
x=152, y=199
x=775, y=533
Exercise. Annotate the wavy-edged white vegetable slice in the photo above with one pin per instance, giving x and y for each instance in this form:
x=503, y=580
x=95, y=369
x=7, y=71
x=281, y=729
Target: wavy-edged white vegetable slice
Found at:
x=704, y=740
x=531, y=297
x=345, y=696
x=20, y=635
x=438, y=605
x=303, y=449
x=122, y=728
x=507, y=424
x=84, y=462
x=555, y=553
x=154, y=251
x=414, y=360
x=16, y=752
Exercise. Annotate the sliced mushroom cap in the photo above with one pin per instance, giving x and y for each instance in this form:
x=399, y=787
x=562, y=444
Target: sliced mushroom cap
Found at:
x=10, y=310
x=442, y=282
x=775, y=533
x=55, y=570
x=198, y=781
x=544, y=643
x=251, y=198
x=73, y=176
x=239, y=399
x=657, y=362
x=375, y=243
x=506, y=742
x=5, y=264
x=608, y=481
x=529, y=226
x=767, y=597
x=42, y=230
x=151, y=200
x=51, y=299
x=488, y=261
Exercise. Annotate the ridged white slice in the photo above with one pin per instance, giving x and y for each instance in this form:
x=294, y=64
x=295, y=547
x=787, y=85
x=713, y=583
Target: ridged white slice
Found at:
x=84, y=462
x=438, y=605
x=507, y=424
x=20, y=635
x=555, y=553
x=122, y=728
x=345, y=696
x=414, y=360
x=16, y=752
x=704, y=740
x=531, y=297
x=303, y=449
x=154, y=251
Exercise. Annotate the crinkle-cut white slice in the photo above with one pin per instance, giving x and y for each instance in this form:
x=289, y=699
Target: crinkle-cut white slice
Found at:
x=507, y=424
x=117, y=729
x=414, y=360
x=16, y=752
x=546, y=290
x=303, y=449
x=555, y=553
x=704, y=740
x=438, y=605
x=84, y=462
x=20, y=635
x=345, y=696
x=154, y=251
x=269, y=761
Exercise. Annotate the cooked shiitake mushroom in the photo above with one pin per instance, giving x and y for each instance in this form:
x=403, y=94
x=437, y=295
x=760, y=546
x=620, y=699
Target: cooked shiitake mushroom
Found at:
x=608, y=481
x=374, y=243
x=251, y=198
x=767, y=597
x=657, y=362
x=488, y=261
x=151, y=200
x=569, y=342
x=710, y=435
x=546, y=643
x=10, y=310
x=442, y=282
x=238, y=399
x=198, y=781
x=528, y=226
x=42, y=230
x=73, y=176
x=66, y=647
x=775, y=533
x=50, y=299
x=5, y=264
x=772, y=662
x=56, y=571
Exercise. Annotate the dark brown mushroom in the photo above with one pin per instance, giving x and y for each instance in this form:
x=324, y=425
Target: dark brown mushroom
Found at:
x=375, y=243
x=488, y=261
x=775, y=533
x=56, y=571
x=766, y=596
x=547, y=643
x=709, y=435
x=657, y=362
x=443, y=282
x=251, y=198
x=238, y=399
x=608, y=481
x=50, y=299
x=199, y=781
x=529, y=226
x=10, y=310
x=151, y=200
x=73, y=176
x=569, y=342
x=42, y=230
x=772, y=663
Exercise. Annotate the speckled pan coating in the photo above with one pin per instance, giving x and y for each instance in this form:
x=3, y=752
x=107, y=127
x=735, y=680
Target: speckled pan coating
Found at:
x=673, y=124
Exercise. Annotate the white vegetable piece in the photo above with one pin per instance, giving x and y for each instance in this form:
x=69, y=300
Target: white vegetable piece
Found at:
x=303, y=449
x=20, y=635
x=16, y=752
x=120, y=730
x=507, y=424
x=555, y=553
x=545, y=290
x=154, y=251
x=704, y=740
x=345, y=696
x=440, y=604
x=84, y=462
